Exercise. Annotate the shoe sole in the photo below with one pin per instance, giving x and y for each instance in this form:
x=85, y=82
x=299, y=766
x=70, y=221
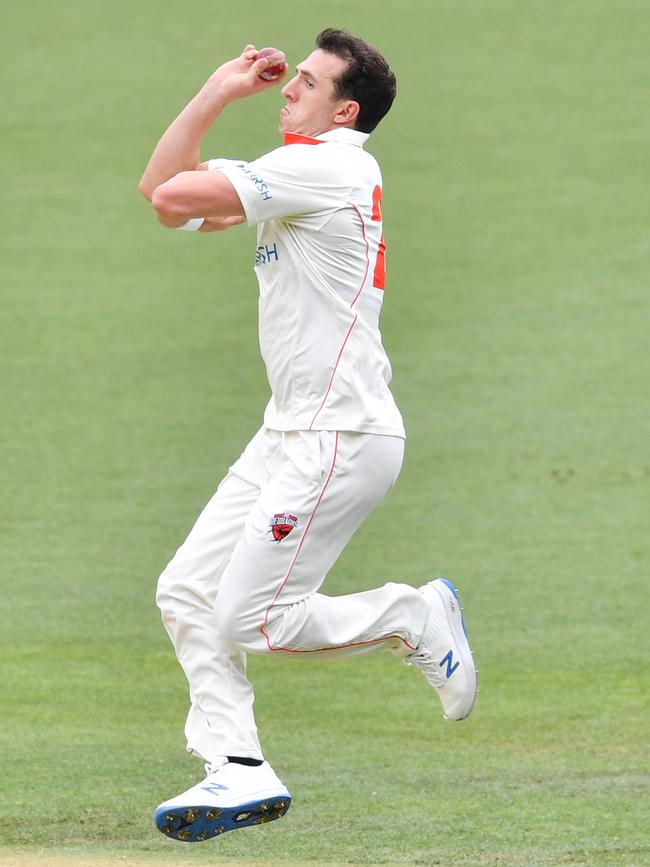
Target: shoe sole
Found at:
x=459, y=633
x=194, y=824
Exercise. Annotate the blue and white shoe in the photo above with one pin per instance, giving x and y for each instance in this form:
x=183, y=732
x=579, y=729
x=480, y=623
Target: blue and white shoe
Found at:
x=443, y=655
x=231, y=796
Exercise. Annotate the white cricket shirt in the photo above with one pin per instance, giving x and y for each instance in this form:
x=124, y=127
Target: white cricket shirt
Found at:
x=320, y=267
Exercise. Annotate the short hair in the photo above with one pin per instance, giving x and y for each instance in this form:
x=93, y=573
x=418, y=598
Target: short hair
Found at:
x=368, y=79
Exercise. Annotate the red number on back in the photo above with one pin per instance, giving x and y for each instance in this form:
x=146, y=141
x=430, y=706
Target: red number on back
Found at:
x=379, y=275
x=376, y=204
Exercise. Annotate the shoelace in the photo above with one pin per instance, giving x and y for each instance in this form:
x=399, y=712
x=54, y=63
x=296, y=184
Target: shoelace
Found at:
x=423, y=660
x=212, y=768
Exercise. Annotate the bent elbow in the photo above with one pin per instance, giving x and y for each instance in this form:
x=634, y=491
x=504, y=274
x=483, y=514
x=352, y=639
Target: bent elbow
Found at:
x=162, y=202
x=169, y=209
x=145, y=188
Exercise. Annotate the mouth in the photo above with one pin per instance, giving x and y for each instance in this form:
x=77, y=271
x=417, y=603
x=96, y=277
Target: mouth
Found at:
x=285, y=110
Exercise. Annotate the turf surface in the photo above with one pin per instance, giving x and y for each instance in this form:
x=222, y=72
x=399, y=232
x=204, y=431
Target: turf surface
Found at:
x=516, y=316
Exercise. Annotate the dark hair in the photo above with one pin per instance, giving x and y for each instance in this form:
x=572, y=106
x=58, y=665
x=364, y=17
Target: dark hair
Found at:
x=368, y=79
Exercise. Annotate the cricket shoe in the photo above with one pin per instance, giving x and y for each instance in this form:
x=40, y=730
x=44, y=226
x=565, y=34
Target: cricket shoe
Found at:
x=231, y=796
x=443, y=655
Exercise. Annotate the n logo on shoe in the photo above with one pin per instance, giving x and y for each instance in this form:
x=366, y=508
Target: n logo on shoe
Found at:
x=214, y=788
x=449, y=658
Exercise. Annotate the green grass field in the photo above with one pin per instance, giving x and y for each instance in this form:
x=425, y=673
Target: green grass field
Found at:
x=516, y=316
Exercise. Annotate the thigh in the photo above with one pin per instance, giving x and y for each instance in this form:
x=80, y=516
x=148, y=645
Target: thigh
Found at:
x=362, y=470
x=322, y=487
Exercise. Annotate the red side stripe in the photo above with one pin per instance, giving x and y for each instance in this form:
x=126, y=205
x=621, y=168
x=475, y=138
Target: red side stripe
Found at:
x=329, y=387
x=365, y=240
x=339, y=646
x=354, y=301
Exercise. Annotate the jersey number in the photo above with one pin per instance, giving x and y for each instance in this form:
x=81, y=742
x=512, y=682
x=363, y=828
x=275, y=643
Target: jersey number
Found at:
x=379, y=275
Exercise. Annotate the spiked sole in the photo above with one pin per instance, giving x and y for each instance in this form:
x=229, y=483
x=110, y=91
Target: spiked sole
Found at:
x=193, y=824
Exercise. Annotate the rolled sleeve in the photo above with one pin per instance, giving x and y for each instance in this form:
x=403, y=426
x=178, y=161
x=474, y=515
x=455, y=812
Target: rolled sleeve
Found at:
x=289, y=182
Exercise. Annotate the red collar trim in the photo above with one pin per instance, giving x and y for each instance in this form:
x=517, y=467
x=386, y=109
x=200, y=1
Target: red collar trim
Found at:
x=294, y=138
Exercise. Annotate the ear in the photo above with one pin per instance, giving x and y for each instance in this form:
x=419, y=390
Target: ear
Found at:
x=347, y=113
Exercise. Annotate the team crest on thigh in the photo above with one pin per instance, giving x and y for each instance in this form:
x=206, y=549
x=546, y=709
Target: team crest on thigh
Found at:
x=282, y=524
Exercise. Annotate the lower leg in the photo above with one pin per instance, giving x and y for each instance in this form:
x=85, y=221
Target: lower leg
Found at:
x=220, y=721
x=393, y=615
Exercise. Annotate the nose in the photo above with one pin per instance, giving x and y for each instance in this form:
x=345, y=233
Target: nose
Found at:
x=289, y=90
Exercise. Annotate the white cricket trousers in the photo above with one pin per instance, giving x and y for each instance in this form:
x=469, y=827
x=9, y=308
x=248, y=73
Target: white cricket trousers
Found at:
x=246, y=579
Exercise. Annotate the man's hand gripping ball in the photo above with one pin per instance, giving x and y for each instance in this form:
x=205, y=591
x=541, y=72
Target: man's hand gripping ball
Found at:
x=276, y=61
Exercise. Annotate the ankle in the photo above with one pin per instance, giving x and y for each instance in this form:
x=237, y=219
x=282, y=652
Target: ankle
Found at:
x=245, y=760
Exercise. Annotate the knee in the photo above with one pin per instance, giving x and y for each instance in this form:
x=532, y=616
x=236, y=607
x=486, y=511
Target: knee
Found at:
x=237, y=623
x=164, y=590
x=407, y=596
x=171, y=589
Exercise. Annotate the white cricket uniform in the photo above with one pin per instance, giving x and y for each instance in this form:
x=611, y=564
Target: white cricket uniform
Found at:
x=247, y=577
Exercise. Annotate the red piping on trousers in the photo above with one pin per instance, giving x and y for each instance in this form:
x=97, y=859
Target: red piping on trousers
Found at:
x=263, y=627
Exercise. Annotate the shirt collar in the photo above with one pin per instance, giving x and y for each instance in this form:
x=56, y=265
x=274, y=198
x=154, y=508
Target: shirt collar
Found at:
x=342, y=134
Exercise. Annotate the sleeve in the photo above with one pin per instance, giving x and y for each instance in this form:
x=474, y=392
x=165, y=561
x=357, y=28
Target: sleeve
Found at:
x=292, y=183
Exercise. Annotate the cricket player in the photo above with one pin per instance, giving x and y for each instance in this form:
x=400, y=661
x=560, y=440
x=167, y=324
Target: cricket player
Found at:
x=247, y=578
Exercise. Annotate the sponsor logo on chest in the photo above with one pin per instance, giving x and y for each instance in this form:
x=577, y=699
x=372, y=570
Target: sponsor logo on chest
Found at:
x=265, y=254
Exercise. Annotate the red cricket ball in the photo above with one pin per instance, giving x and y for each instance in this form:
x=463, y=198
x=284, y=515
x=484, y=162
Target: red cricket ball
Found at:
x=273, y=71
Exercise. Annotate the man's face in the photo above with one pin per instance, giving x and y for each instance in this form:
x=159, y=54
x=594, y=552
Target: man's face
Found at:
x=311, y=102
